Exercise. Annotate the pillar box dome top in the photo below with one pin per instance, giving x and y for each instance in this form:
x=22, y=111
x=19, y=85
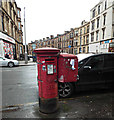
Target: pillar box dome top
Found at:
x=46, y=50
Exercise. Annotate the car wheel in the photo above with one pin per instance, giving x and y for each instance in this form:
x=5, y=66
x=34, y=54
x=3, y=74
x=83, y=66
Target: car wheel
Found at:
x=65, y=90
x=10, y=64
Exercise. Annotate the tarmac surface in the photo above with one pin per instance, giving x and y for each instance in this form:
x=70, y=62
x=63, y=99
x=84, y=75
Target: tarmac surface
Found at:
x=82, y=105
x=22, y=63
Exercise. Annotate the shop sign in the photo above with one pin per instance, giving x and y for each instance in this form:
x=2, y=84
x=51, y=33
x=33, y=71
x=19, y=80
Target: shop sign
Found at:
x=7, y=38
x=69, y=46
x=108, y=41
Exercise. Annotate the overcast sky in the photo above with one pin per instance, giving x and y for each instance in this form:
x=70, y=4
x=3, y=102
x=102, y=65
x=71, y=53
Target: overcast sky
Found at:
x=52, y=17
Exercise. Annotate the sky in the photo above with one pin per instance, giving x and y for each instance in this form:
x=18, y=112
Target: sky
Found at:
x=51, y=17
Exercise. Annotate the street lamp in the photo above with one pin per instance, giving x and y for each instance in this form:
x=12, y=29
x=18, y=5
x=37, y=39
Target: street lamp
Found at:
x=26, y=59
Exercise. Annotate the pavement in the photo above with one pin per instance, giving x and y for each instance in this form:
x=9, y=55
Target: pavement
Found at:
x=22, y=63
x=94, y=106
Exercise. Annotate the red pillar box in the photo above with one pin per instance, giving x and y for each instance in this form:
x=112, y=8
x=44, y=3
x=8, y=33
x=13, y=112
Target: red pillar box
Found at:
x=67, y=73
x=47, y=79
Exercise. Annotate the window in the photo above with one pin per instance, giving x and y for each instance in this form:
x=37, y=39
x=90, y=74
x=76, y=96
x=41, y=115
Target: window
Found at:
x=96, y=62
x=97, y=22
x=105, y=5
x=99, y=9
x=84, y=30
x=76, y=32
x=82, y=62
x=20, y=38
x=10, y=10
x=88, y=49
x=103, y=33
x=80, y=31
x=83, y=49
x=75, y=51
x=7, y=24
x=97, y=35
x=59, y=39
x=113, y=31
x=84, y=40
x=20, y=49
x=80, y=40
x=71, y=35
x=109, y=61
x=12, y=29
x=93, y=15
x=104, y=22
x=87, y=39
x=3, y=23
x=92, y=37
x=80, y=50
x=93, y=25
x=33, y=46
x=19, y=24
x=18, y=12
x=87, y=29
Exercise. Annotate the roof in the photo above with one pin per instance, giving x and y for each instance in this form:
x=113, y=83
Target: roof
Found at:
x=67, y=55
x=46, y=50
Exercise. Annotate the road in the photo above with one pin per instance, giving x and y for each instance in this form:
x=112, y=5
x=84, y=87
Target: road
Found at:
x=20, y=98
x=19, y=85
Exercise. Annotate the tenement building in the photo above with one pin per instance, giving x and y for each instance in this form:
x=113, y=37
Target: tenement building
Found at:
x=83, y=37
x=95, y=36
x=101, y=26
x=11, y=35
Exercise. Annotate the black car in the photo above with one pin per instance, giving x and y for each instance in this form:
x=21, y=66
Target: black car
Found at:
x=95, y=71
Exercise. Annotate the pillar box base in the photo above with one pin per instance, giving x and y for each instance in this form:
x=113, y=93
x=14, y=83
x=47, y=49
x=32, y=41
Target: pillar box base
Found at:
x=48, y=105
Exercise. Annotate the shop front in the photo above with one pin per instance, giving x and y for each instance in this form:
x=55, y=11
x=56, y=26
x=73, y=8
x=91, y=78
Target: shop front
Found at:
x=7, y=46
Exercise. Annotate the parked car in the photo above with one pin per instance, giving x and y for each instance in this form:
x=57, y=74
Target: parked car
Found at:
x=8, y=62
x=95, y=72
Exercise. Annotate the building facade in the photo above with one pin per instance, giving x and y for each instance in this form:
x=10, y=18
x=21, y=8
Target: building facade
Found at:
x=101, y=26
x=83, y=37
x=11, y=35
x=94, y=36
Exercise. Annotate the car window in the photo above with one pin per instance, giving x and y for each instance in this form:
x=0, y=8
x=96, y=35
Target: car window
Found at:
x=82, y=62
x=109, y=61
x=96, y=62
x=1, y=58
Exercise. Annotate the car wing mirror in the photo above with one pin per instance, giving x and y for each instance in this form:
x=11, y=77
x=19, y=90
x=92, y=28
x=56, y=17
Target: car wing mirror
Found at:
x=87, y=67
